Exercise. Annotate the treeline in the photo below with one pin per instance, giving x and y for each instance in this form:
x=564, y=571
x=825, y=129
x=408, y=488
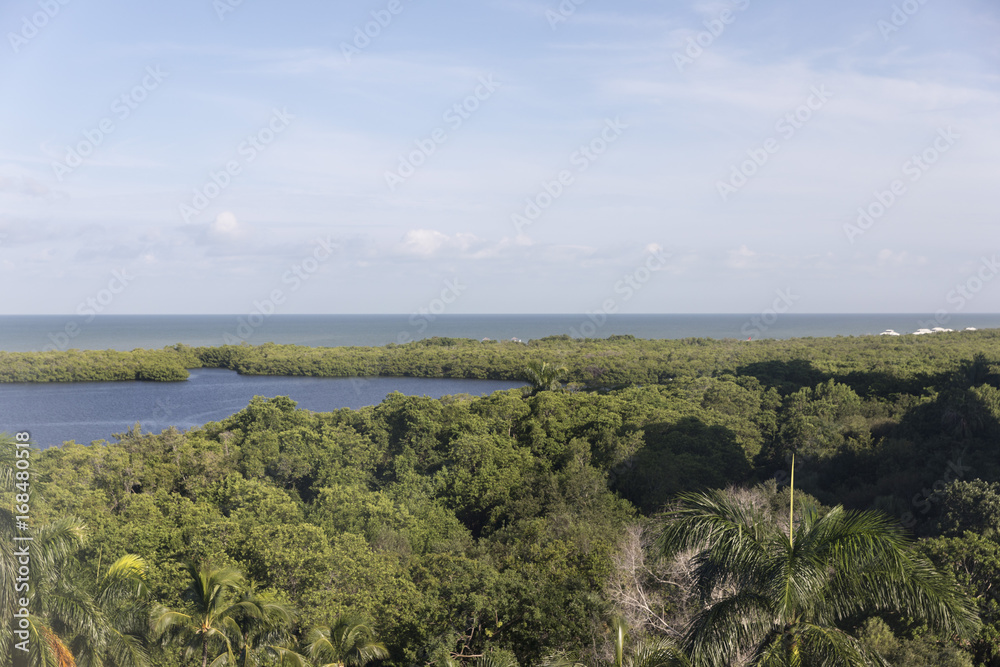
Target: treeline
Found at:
x=520, y=524
x=167, y=365
x=871, y=365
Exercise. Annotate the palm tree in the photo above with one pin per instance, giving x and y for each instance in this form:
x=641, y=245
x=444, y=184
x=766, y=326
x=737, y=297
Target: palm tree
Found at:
x=497, y=659
x=778, y=598
x=51, y=601
x=211, y=619
x=50, y=547
x=964, y=412
x=263, y=631
x=544, y=376
x=75, y=618
x=656, y=652
x=349, y=642
x=118, y=606
x=972, y=372
x=649, y=652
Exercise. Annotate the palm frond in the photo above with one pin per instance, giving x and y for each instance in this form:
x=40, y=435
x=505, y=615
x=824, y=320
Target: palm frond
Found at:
x=657, y=652
x=774, y=595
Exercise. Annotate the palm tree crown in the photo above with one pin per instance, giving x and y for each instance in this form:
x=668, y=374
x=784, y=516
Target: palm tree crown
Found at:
x=349, y=642
x=779, y=598
x=544, y=376
x=211, y=619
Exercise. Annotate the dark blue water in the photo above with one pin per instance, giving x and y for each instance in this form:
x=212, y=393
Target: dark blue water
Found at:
x=87, y=411
x=22, y=333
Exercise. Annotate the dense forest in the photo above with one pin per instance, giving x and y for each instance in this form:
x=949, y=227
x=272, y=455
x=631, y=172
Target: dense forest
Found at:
x=629, y=506
x=879, y=364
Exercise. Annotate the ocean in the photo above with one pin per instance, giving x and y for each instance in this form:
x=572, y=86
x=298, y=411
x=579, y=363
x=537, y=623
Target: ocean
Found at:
x=23, y=333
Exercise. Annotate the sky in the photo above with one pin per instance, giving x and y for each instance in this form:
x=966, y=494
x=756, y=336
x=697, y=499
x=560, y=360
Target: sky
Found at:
x=499, y=156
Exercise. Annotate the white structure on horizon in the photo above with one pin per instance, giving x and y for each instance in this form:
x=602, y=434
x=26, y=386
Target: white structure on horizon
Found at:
x=921, y=332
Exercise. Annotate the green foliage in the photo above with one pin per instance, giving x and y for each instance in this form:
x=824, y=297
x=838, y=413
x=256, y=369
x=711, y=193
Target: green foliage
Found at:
x=781, y=596
x=971, y=506
x=349, y=641
x=922, y=651
x=544, y=376
x=870, y=365
x=468, y=527
x=974, y=561
x=76, y=607
x=167, y=365
x=209, y=625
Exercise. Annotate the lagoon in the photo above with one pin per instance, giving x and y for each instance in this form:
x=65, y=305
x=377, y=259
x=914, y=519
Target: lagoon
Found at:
x=87, y=411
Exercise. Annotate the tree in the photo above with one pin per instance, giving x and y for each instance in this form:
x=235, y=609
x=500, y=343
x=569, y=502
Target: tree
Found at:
x=972, y=505
x=114, y=635
x=972, y=372
x=975, y=561
x=544, y=376
x=263, y=631
x=49, y=549
x=773, y=597
x=654, y=652
x=648, y=652
x=75, y=618
x=211, y=618
x=349, y=642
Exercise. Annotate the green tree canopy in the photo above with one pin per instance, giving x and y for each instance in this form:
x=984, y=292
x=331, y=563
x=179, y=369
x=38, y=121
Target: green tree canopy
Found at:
x=780, y=597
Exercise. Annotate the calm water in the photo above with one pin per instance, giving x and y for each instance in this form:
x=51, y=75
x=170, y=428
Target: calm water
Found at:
x=55, y=413
x=95, y=411
x=22, y=333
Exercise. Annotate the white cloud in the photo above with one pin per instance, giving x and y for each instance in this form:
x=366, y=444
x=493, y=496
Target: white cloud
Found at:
x=742, y=258
x=225, y=224
x=888, y=258
x=423, y=242
x=23, y=185
x=427, y=243
x=225, y=229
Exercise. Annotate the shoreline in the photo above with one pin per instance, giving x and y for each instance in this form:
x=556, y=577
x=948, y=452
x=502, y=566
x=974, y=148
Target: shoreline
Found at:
x=36, y=333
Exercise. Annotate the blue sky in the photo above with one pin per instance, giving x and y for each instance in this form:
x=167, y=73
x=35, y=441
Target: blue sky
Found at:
x=208, y=156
